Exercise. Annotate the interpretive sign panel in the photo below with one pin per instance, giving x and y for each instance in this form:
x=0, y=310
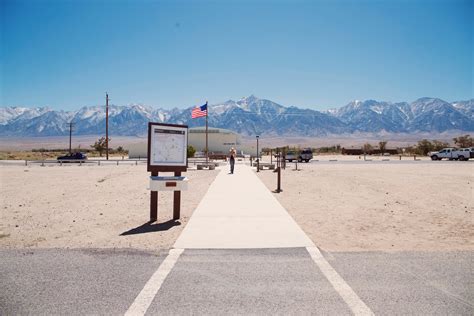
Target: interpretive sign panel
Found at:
x=167, y=147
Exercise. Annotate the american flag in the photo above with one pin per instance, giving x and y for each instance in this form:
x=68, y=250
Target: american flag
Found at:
x=199, y=111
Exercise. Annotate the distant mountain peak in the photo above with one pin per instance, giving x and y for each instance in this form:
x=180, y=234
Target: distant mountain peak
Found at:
x=250, y=98
x=248, y=116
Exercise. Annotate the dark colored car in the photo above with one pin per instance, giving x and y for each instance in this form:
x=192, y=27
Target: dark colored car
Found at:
x=73, y=156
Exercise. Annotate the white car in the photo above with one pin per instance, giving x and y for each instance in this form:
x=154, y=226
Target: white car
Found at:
x=452, y=154
x=290, y=156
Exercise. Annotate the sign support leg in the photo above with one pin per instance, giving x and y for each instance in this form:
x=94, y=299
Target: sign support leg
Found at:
x=177, y=201
x=154, y=203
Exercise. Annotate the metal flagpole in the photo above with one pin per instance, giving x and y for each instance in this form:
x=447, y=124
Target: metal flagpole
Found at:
x=107, y=125
x=207, y=149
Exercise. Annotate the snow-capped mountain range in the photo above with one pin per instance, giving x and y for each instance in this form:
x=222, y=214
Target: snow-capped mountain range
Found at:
x=249, y=116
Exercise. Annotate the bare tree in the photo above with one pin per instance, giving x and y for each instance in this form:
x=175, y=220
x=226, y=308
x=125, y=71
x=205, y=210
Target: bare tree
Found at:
x=383, y=146
x=367, y=148
x=100, y=145
x=464, y=141
x=438, y=145
x=424, y=147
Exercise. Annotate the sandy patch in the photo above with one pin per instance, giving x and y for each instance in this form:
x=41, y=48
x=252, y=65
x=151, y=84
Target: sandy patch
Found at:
x=89, y=206
x=381, y=206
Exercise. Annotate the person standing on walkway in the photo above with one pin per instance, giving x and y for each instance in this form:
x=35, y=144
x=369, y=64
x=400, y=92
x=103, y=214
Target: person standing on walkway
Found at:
x=232, y=159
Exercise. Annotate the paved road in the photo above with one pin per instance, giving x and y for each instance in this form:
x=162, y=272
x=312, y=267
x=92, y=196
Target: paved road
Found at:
x=236, y=281
x=72, y=282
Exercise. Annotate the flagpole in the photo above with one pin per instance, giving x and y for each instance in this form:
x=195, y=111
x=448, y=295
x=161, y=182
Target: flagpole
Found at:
x=207, y=149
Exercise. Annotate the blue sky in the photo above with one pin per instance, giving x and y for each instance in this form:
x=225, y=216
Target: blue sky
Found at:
x=312, y=54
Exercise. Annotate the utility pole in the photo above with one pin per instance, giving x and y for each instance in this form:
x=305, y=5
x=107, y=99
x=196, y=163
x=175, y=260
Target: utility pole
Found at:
x=71, y=125
x=107, y=125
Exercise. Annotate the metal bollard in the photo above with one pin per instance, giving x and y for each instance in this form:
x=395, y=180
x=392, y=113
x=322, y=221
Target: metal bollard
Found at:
x=117, y=162
x=278, y=190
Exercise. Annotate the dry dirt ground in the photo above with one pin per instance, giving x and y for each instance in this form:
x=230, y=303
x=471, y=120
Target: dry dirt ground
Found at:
x=381, y=206
x=90, y=206
x=342, y=206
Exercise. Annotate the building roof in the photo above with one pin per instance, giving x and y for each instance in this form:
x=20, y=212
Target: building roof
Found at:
x=202, y=129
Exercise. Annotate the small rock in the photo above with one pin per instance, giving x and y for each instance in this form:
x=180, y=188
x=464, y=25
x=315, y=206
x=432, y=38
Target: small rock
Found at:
x=16, y=225
x=100, y=214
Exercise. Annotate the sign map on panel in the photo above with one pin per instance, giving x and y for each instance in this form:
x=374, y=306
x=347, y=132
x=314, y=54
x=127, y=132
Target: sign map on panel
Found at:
x=169, y=146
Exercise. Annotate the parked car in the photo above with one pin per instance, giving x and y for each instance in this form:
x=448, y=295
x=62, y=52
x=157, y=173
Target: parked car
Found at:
x=472, y=152
x=465, y=153
x=199, y=154
x=305, y=155
x=74, y=156
x=290, y=156
x=452, y=154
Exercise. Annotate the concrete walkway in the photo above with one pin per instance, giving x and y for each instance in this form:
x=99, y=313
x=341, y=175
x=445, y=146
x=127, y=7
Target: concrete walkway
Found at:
x=238, y=211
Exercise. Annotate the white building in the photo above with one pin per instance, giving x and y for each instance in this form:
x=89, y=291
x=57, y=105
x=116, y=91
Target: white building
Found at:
x=219, y=141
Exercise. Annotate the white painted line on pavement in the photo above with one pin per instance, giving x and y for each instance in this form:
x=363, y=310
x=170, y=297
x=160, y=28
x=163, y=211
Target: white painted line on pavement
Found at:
x=147, y=294
x=343, y=289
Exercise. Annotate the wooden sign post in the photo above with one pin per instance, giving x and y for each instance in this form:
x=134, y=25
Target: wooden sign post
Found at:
x=167, y=152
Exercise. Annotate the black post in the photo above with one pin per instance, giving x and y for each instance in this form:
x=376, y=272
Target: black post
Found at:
x=258, y=158
x=154, y=203
x=177, y=201
x=278, y=190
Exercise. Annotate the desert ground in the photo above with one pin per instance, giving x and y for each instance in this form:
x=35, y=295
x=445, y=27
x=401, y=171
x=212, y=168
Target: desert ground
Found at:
x=90, y=206
x=355, y=140
x=370, y=206
x=343, y=205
